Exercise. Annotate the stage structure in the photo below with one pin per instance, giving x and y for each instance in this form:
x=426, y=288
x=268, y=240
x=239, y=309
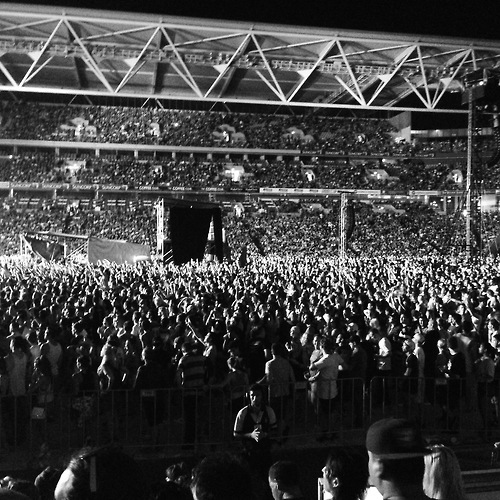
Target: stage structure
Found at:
x=160, y=228
x=482, y=95
x=189, y=226
x=346, y=225
x=53, y=246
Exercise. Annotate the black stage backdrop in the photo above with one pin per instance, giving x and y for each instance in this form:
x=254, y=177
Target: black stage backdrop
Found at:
x=189, y=228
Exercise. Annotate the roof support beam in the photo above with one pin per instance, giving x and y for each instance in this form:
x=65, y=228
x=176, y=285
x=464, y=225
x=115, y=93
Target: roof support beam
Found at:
x=90, y=61
x=358, y=95
x=185, y=74
x=447, y=81
x=276, y=88
x=133, y=69
x=30, y=73
x=384, y=81
x=306, y=76
x=7, y=74
x=240, y=50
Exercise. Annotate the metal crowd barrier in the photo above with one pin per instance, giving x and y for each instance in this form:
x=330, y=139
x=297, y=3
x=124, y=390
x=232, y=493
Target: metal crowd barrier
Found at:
x=461, y=406
x=203, y=419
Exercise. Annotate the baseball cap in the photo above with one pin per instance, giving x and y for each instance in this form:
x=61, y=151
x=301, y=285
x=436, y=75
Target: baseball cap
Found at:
x=395, y=438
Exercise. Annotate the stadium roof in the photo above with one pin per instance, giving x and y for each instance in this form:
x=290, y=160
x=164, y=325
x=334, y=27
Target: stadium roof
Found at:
x=72, y=51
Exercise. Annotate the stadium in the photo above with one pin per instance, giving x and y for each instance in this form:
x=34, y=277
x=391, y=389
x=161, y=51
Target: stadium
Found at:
x=187, y=202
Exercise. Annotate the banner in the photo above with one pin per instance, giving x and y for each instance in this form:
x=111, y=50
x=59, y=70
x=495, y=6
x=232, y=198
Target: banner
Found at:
x=49, y=250
x=117, y=251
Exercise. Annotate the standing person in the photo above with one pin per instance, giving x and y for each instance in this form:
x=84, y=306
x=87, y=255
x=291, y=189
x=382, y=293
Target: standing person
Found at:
x=236, y=385
x=345, y=474
x=440, y=367
x=54, y=351
x=327, y=368
x=396, y=451
x=151, y=376
x=382, y=389
x=419, y=339
x=255, y=425
x=85, y=389
x=16, y=404
x=284, y=481
x=484, y=371
x=410, y=380
x=312, y=374
x=41, y=387
x=358, y=367
x=455, y=373
x=442, y=476
x=281, y=380
x=192, y=369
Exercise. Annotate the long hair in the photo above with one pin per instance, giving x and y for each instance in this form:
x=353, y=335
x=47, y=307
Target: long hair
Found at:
x=442, y=476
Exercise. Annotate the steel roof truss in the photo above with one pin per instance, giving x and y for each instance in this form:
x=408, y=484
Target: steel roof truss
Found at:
x=427, y=102
x=297, y=45
x=133, y=69
x=7, y=74
x=89, y=60
x=210, y=39
x=330, y=44
x=29, y=74
x=185, y=74
x=415, y=90
x=34, y=73
x=43, y=22
x=276, y=88
x=446, y=85
x=359, y=96
x=399, y=60
x=130, y=31
x=243, y=45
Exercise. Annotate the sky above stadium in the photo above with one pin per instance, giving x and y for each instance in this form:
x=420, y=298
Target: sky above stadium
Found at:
x=459, y=18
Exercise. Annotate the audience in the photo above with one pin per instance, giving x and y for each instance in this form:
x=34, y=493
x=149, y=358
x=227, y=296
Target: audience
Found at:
x=78, y=330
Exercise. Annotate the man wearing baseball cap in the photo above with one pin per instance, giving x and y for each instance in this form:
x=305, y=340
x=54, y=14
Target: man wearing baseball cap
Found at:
x=396, y=452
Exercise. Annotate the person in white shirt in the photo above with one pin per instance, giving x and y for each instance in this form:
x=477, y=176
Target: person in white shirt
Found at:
x=327, y=368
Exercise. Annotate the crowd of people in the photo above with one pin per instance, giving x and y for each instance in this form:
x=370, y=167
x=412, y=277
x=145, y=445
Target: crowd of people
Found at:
x=193, y=174
x=396, y=461
x=205, y=324
x=405, y=324
x=311, y=132
x=113, y=124
x=308, y=225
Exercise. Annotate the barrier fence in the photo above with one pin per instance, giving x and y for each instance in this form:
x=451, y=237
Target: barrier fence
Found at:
x=203, y=419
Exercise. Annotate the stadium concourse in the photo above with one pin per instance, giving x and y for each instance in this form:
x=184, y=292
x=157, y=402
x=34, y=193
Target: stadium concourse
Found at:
x=397, y=316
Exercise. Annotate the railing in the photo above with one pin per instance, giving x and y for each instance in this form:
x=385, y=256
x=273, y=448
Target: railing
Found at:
x=457, y=407
x=203, y=419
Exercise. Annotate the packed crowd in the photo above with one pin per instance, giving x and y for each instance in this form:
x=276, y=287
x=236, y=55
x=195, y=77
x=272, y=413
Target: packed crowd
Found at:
x=92, y=323
x=113, y=124
x=159, y=126
x=394, y=309
x=193, y=174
